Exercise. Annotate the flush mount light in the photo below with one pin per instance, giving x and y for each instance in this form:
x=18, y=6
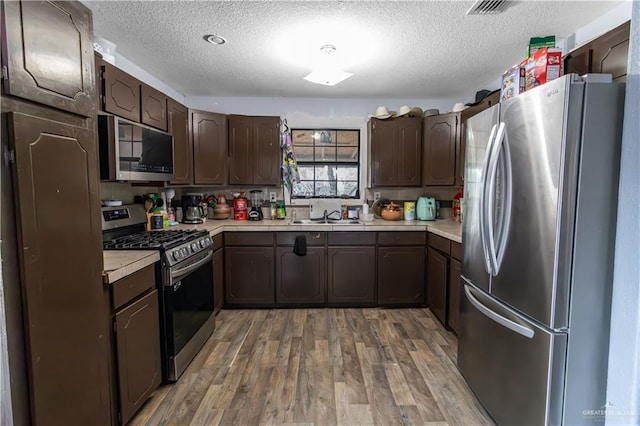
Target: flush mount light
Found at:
x=327, y=72
x=214, y=39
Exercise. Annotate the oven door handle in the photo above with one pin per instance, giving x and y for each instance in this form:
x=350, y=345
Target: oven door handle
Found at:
x=181, y=272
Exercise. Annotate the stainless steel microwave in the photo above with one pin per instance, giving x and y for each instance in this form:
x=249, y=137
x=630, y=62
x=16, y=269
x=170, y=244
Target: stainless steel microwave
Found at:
x=133, y=152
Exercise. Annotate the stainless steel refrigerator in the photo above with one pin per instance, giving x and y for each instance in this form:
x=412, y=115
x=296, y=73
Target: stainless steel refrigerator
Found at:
x=541, y=189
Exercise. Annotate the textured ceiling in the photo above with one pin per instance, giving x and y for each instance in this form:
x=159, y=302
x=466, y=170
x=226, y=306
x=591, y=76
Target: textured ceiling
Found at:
x=396, y=49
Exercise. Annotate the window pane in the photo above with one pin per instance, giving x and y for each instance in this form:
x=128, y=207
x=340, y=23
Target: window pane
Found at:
x=303, y=153
x=348, y=137
x=306, y=172
x=326, y=189
x=326, y=173
x=348, y=154
x=347, y=173
x=325, y=154
x=347, y=188
x=302, y=189
x=302, y=137
x=324, y=137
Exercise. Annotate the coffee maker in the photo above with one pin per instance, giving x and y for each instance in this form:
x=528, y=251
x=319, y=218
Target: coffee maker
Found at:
x=192, y=211
x=255, y=213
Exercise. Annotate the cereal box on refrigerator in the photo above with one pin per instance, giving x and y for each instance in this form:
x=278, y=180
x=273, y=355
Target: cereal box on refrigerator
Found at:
x=545, y=65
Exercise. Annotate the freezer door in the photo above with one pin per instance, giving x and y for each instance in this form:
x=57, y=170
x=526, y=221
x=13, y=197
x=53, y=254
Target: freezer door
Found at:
x=514, y=367
x=480, y=130
x=541, y=132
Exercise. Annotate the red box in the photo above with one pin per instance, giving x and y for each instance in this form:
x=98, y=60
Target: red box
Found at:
x=545, y=65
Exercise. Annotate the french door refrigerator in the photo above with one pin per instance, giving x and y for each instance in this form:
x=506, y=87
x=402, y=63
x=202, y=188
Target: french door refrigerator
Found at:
x=541, y=180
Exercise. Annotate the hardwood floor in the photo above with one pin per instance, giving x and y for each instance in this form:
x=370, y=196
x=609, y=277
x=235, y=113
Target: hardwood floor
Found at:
x=321, y=367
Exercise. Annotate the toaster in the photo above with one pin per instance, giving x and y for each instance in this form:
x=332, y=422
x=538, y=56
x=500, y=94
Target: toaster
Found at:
x=426, y=208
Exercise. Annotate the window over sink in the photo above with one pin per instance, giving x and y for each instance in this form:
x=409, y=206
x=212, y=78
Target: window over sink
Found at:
x=328, y=163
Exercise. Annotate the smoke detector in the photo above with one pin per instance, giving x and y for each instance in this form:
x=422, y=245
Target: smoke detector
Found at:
x=488, y=7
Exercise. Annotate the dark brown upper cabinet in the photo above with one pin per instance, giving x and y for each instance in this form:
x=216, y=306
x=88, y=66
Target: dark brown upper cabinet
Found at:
x=606, y=54
x=254, y=150
x=48, y=52
x=209, y=147
x=178, y=121
x=153, y=107
x=441, y=137
x=396, y=151
x=121, y=93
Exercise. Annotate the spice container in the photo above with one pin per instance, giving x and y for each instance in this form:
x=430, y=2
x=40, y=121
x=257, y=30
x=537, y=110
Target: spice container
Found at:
x=281, y=212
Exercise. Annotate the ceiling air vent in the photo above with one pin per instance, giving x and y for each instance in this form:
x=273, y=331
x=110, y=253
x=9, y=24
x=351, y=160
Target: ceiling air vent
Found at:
x=488, y=7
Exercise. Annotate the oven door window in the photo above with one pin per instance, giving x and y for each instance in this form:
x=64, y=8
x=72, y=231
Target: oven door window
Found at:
x=189, y=303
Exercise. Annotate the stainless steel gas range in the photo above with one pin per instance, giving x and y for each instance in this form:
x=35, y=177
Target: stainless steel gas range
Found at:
x=184, y=279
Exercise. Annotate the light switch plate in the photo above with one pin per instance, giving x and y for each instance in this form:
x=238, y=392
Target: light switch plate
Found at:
x=272, y=197
x=376, y=196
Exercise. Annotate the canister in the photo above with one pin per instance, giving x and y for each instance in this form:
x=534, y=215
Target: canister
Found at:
x=409, y=210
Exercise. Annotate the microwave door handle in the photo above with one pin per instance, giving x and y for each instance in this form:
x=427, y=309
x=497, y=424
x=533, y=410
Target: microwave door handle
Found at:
x=482, y=200
x=505, y=322
x=181, y=272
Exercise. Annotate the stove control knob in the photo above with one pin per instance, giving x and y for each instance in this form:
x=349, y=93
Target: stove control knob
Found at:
x=209, y=241
x=203, y=243
x=176, y=255
x=185, y=252
x=194, y=247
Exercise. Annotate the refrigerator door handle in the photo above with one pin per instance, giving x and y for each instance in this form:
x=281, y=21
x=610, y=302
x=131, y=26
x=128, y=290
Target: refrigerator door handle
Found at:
x=482, y=201
x=507, y=199
x=491, y=178
x=505, y=322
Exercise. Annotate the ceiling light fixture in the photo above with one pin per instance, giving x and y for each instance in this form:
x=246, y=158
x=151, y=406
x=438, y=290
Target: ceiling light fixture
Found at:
x=214, y=39
x=327, y=72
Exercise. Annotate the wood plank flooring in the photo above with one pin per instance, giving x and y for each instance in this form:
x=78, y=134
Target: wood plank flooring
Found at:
x=320, y=367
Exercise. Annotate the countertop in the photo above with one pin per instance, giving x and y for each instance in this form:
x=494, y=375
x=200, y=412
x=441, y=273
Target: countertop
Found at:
x=120, y=263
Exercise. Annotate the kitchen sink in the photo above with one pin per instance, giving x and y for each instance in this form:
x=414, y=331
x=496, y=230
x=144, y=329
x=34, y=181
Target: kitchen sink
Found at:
x=327, y=222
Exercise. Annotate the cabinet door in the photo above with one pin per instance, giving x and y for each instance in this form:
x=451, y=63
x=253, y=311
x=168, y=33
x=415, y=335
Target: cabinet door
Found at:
x=440, y=135
x=300, y=279
x=49, y=52
x=182, y=146
x=249, y=276
x=153, y=107
x=121, y=93
x=266, y=151
x=400, y=275
x=209, y=147
x=453, y=316
x=611, y=52
x=409, y=151
x=383, y=139
x=578, y=61
x=437, y=284
x=138, y=353
x=66, y=303
x=218, y=280
x=351, y=276
x=240, y=150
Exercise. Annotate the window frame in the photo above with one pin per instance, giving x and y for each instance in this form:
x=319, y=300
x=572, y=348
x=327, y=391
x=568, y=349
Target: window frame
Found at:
x=358, y=163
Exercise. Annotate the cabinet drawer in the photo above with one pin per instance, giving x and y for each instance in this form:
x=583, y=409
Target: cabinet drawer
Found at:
x=288, y=238
x=217, y=242
x=351, y=238
x=248, y=238
x=440, y=243
x=128, y=288
x=402, y=238
x=456, y=250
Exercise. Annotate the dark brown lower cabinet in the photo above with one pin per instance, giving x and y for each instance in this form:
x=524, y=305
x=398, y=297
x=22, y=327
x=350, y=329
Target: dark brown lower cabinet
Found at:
x=249, y=276
x=437, y=268
x=401, y=276
x=218, y=280
x=351, y=276
x=455, y=289
x=300, y=280
x=138, y=353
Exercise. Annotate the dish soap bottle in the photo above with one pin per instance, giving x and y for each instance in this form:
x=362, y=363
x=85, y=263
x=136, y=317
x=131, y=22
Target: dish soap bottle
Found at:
x=456, y=204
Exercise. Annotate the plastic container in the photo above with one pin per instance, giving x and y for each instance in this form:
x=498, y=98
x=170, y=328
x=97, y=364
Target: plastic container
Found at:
x=409, y=210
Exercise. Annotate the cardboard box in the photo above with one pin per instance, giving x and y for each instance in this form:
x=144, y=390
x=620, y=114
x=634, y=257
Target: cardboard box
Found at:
x=537, y=43
x=545, y=65
x=513, y=81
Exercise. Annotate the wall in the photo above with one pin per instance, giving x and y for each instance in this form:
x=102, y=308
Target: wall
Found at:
x=623, y=387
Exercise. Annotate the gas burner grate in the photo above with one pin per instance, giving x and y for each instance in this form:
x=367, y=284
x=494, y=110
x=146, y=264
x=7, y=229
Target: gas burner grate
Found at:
x=152, y=240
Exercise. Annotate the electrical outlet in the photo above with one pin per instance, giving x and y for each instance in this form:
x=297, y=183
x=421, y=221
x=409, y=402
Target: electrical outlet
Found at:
x=272, y=197
x=376, y=196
